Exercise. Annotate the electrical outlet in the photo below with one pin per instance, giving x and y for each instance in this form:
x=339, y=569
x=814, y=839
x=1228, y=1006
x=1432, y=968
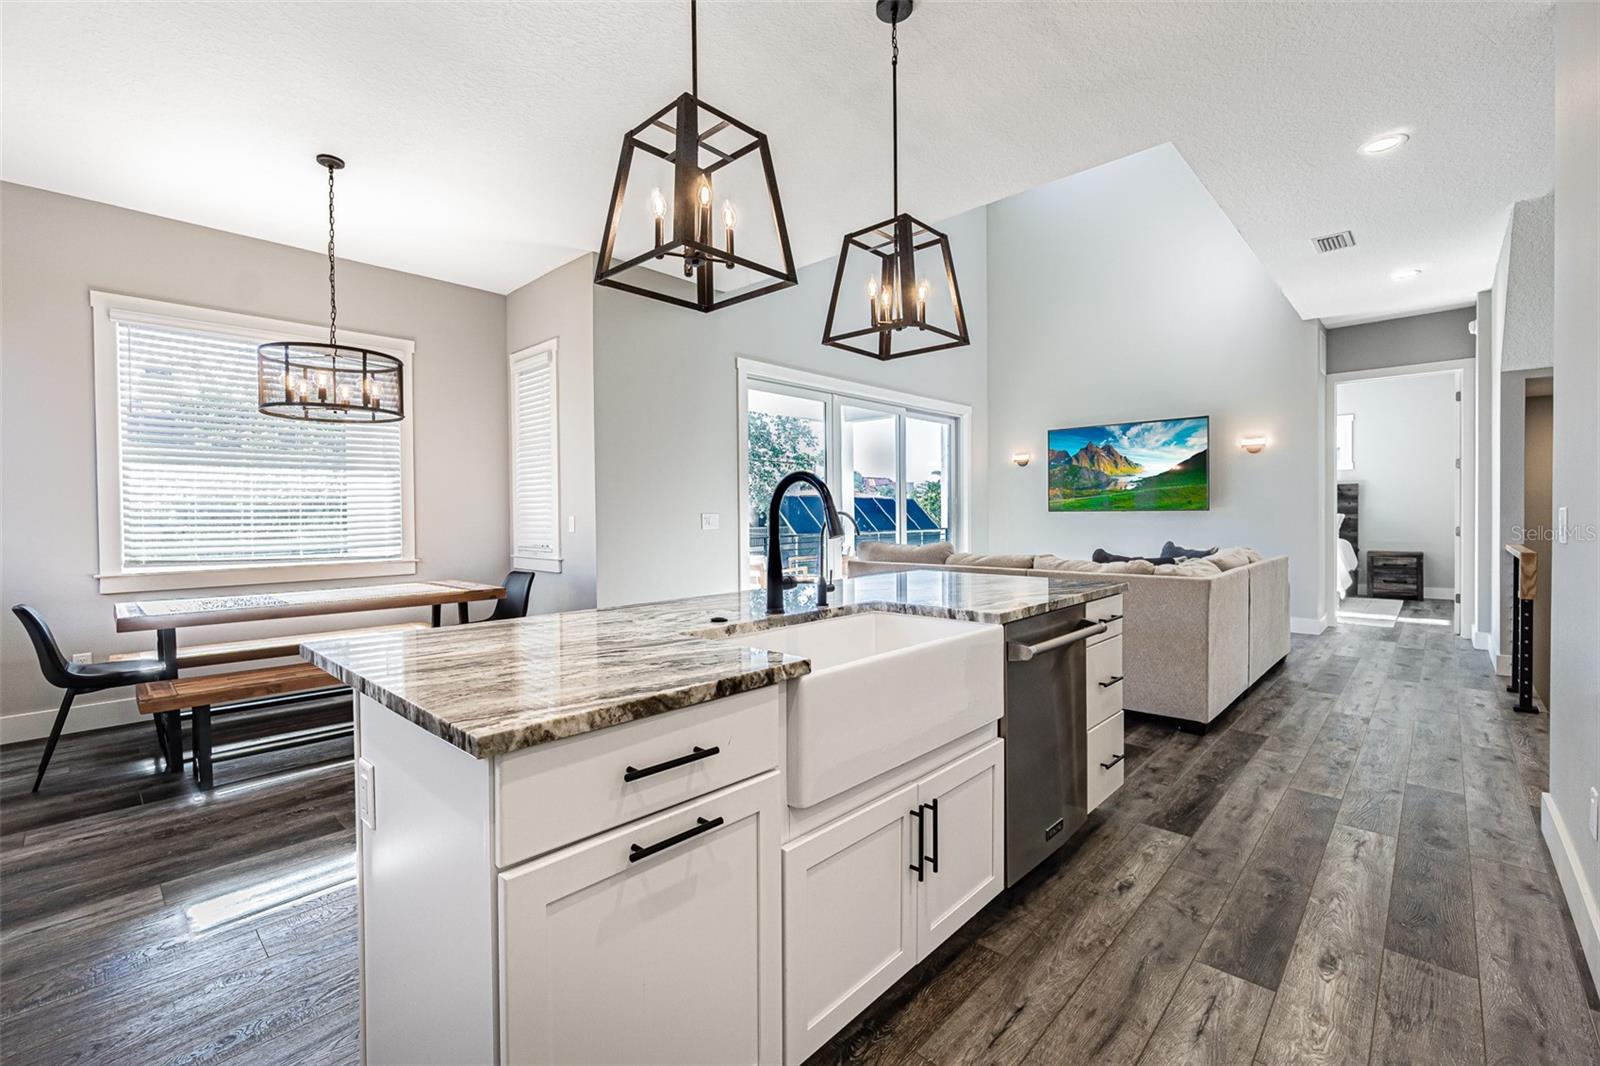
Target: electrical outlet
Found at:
x=83, y=658
x=709, y=520
x=366, y=807
x=1594, y=813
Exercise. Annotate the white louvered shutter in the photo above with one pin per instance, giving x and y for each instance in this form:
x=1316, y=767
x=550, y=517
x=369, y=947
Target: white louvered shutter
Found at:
x=535, y=496
x=207, y=480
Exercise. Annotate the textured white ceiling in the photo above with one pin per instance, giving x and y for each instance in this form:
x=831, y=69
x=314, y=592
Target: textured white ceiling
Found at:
x=482, y=137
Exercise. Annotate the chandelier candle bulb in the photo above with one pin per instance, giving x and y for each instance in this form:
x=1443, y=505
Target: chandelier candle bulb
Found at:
x=728, y=219
x=658, y=208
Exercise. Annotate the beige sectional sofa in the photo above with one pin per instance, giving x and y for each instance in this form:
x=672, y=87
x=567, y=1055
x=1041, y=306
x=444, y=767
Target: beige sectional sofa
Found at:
x=1194, y=637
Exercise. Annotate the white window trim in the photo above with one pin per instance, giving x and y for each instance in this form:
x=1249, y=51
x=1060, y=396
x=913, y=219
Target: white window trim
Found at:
x=550, y=564
x=108, y=449
x=834, y=390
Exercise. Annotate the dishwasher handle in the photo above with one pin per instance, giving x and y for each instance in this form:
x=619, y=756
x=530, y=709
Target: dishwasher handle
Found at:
x=1021, y=653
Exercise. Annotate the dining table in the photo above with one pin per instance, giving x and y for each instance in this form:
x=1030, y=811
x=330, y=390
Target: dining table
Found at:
x=167, y=616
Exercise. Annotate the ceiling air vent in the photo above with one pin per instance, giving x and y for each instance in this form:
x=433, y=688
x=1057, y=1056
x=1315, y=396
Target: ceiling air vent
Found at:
x=1335, y=241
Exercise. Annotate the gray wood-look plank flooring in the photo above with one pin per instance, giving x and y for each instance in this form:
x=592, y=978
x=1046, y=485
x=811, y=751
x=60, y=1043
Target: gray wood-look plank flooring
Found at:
x=1346, y=867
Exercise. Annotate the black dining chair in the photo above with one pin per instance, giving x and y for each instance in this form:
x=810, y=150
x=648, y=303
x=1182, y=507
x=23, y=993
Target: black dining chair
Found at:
x=76, y=678
x=518, y=597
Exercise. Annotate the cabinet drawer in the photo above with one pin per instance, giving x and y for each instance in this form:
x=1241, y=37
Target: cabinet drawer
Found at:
x=1103, y=670
x=1109, y=611
x=608, y=955
x=553, y=794
x=1105, y=760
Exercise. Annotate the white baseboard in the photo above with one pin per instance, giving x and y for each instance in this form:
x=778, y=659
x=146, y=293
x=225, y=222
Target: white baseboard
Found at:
x=1430, y=592
x=1480, y=639
x=35, y=725
x=1501, y=664
x=1308, y=626
x=1569, y=871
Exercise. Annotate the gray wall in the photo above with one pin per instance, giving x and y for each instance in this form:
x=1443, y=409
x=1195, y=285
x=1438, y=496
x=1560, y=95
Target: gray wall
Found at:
x=561, y=304
x=1430, y=338
x=666, y=403
x=1524, y=276
x=1407, y=430
x=1575, y=597
x=1124, y=293
x=54, y=250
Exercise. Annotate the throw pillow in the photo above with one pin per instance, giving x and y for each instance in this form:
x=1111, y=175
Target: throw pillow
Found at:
x=877, y=551
x=1190, y=568
x=1229, y=559
x=1102, y=556
x=1172, y=551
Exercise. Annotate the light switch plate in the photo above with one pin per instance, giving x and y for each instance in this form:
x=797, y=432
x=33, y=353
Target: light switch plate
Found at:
x=1594, y=813
x=1561, y=524
x=709, y=520
x=366, y=805
x=572, y=523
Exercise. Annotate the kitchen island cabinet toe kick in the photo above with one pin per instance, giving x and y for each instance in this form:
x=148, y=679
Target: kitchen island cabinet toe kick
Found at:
x=748, y=872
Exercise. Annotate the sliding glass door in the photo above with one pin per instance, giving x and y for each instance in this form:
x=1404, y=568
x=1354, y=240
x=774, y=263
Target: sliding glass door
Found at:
x=891, y=465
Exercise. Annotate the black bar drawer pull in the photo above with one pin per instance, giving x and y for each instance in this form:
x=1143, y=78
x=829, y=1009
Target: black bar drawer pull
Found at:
x=704, y=825
x=916, y=812
x=633, y=774
x=1115, y=678
x=1118, y=757
x=933, y=860
x=1110, y=618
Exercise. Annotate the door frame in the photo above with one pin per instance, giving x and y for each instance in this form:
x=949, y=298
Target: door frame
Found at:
x=1467, y=503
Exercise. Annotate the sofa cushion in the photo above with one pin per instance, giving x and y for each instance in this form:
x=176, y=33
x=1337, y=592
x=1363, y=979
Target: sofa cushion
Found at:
x=1133, y=566
x=878, y=551
x=1189, y=568
x=1231, y=558
x=1172, y=551
x=1102, y=556
x=1003, y=562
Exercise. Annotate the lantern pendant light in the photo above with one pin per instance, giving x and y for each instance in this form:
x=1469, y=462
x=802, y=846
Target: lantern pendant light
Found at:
x=697, y=153
x=331, y=382
x=910, y=303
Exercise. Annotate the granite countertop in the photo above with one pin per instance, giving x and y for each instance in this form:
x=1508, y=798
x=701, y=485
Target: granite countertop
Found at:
x=493, y=687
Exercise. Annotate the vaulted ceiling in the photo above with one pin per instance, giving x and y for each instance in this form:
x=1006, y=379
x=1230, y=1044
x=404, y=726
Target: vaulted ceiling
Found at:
x=482, y=137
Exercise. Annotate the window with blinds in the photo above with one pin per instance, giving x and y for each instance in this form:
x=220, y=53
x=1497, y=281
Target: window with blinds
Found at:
x=206, y=480
x=535, y=484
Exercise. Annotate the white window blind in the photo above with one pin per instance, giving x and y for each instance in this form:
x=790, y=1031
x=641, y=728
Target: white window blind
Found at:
x=207, y=480
x=535, y=497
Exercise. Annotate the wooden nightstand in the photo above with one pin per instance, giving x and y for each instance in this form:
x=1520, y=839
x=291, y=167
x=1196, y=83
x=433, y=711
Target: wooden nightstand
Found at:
x=1394, y=575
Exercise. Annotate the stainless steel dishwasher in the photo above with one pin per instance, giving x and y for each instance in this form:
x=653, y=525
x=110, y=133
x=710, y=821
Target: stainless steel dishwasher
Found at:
x=1047, y=778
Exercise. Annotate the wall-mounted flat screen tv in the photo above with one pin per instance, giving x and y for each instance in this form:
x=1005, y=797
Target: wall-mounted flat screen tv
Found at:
x=1131, y=466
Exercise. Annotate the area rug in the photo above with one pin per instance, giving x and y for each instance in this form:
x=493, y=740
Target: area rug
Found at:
x=1365, y=611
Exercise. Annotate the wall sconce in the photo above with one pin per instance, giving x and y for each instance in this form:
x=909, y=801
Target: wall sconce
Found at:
x=1022, y=458
x=1252, y=444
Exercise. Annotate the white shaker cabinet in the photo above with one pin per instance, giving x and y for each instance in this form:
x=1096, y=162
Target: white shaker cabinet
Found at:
x=654, y=943
x=870, y=894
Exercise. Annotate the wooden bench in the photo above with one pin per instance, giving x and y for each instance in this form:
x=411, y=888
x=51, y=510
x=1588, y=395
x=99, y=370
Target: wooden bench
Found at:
x=168, y=699
x=240, y=651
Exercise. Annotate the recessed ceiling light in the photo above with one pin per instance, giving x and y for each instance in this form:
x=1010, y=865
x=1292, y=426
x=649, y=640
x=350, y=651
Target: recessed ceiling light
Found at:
x=1406, y=274
x=1387, y=143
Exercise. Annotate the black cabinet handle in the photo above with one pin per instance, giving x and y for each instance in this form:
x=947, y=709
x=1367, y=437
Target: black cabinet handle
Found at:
x=1118, y=757
x=1110, y=618
x=633, y=774
x=704, y=825
x=933, y=860
x=916, y=812
x=1115, y=678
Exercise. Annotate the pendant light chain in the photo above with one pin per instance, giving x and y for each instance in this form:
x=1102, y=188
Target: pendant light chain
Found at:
x=894, y=106
x=694, y=50
x=333, y=300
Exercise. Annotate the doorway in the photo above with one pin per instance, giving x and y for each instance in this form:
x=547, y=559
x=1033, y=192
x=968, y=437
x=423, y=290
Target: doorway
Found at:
x=1400, y=535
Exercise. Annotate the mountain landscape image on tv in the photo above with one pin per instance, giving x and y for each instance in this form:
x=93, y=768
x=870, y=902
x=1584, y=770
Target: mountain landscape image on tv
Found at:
x=1131, y=466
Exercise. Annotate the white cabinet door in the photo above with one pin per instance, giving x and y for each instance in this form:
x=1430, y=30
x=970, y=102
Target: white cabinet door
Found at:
x=1103, y=669
x=608, y=956
x=849, y=918
x=963, y=807
x=1105, y=760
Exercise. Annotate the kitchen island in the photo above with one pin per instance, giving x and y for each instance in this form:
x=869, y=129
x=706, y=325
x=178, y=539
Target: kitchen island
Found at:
x=683, y=831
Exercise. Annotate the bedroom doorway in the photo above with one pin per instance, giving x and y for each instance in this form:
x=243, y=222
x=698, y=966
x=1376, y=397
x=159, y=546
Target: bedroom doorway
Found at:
x=1401, y=532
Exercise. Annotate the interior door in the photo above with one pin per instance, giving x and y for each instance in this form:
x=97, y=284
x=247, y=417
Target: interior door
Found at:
x=610, y=956
x=849, y=918
x=964, y=808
